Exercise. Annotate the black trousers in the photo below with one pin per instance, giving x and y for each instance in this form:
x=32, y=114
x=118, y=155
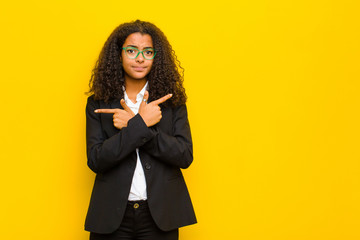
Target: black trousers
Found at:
x=137, y=224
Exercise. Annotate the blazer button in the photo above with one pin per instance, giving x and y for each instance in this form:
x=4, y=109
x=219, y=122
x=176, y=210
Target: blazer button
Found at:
x=147, y=166
x=144, y=140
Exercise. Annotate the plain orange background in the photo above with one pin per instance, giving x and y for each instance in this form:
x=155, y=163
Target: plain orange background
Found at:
x=273, y=91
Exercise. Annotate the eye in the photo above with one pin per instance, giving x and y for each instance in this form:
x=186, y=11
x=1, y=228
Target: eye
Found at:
x=130, y=51
x=149, y=52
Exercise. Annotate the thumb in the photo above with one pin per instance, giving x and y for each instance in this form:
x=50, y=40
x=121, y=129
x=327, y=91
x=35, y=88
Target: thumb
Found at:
x=126, y=108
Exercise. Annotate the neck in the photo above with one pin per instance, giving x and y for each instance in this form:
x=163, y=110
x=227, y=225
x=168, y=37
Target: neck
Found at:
x=134, y=85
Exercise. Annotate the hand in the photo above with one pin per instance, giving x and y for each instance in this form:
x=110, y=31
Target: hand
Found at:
x=120, y=117
x=151, y=113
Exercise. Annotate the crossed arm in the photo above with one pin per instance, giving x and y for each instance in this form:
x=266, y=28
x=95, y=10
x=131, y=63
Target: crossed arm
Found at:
x=151, y=113
x=138, y=130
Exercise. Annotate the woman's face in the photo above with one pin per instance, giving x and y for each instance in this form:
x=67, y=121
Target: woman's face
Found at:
x=138, y=68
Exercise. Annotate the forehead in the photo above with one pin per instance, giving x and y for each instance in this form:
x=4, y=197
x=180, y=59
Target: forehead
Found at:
x=138, y=40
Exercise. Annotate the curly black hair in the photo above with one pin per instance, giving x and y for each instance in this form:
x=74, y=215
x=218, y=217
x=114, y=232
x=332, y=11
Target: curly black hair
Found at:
x=166, y=75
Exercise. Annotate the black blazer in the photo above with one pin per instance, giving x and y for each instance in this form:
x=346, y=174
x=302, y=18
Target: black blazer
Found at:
x=163, y=148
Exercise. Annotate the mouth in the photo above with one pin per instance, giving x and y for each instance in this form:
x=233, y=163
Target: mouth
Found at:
x=138, y=69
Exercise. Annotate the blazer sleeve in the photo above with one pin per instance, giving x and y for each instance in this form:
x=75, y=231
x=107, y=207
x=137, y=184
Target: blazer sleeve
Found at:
x=105, y=153
x=176, y=149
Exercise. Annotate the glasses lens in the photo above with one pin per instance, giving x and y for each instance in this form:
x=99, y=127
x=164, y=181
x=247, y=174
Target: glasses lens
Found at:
x=149, y=53
x=131, y=52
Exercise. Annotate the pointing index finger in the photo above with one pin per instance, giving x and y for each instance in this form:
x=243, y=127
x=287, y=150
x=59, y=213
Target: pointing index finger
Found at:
x=106, y=110
x=161, y=100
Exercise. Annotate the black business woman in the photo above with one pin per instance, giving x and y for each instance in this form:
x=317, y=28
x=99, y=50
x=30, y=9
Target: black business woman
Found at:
x=138, y=138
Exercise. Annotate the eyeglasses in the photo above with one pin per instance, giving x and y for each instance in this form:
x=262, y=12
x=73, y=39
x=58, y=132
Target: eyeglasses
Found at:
x=132, y=52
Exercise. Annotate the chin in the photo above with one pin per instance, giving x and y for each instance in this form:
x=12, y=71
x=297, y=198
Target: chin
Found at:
x=139, y=76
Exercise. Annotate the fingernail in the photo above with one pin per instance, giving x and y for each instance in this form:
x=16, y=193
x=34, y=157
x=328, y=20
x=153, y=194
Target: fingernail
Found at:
x=96, y=111
x=170, y=94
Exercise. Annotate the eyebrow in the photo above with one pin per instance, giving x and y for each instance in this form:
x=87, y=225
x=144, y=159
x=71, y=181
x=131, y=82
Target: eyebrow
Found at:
x=137, y=46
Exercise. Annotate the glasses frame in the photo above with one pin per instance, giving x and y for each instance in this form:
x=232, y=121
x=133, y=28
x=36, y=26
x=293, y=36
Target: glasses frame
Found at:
x=142, y=52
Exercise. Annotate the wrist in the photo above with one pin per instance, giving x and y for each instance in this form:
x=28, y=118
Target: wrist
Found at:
x=144, y=119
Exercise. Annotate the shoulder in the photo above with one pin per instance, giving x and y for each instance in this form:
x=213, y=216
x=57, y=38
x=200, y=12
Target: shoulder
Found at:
x=179, y=111
x=91, y=98
x=92, y=103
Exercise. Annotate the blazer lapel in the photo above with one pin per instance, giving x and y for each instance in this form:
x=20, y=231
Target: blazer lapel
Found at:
x=116, y=104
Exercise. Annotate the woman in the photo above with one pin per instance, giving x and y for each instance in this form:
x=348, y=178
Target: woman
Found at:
x=138, y=138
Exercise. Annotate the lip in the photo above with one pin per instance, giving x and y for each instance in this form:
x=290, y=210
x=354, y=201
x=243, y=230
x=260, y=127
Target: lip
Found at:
x=138, y=69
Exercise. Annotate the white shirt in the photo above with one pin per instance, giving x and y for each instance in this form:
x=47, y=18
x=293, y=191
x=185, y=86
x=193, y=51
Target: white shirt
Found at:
x=138, y=185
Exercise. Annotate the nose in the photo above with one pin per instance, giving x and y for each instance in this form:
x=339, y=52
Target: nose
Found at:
x=140, y=58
